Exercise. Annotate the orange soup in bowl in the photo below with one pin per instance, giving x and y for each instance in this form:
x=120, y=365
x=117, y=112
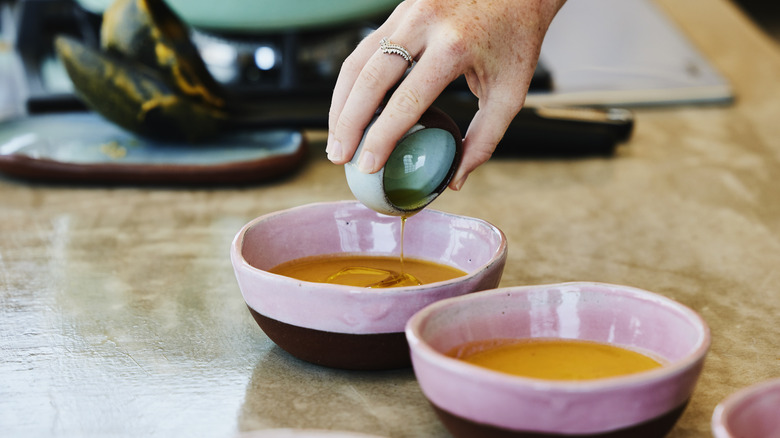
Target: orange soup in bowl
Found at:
x=554, y=359
x=366, y=270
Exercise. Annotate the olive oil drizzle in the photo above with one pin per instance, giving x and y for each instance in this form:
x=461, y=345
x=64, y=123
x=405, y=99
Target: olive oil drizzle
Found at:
x=403, y=228
x=389, y=278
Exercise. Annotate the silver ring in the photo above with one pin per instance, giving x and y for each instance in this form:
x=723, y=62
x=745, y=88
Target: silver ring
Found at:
x=395, y=49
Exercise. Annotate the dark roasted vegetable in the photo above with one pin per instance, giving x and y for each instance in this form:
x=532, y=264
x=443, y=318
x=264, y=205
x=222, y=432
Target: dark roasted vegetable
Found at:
x=135, y=96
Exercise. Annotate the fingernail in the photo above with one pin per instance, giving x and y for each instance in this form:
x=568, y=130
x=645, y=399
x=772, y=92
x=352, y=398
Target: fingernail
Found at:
x=458, y=183
x=334, y=150
x=366, y=162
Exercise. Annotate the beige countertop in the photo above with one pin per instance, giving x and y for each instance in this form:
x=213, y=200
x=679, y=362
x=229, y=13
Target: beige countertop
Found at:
x=120, y=314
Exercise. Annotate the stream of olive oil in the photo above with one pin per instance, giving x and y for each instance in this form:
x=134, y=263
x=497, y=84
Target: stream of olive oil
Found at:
x=366, y=270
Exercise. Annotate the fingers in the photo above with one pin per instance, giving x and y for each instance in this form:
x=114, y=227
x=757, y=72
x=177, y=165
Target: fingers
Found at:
x=355, y=62
x=348, y=80
x=429, y=77
x=374, y=79
x=409, y=101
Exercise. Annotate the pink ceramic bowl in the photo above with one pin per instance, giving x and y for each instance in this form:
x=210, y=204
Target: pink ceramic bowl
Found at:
x=751, y=412
x=473, y=401
x=350, y=327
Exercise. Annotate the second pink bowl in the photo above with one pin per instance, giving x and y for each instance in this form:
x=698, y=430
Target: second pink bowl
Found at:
x=751, y=412
x=475, y=402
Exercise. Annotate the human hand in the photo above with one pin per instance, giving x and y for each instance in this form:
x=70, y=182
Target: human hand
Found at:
x=494, y=44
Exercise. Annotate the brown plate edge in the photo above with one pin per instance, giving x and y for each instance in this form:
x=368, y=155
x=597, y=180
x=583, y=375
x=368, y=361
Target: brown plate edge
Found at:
x=241, y=172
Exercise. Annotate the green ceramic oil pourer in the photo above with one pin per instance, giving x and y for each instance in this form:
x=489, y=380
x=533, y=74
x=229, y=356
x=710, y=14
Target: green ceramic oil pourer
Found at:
x=417, y=171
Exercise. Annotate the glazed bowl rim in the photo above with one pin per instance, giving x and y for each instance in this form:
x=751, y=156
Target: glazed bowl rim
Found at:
x=475, y=372
x=498, y=253
x=726, y=407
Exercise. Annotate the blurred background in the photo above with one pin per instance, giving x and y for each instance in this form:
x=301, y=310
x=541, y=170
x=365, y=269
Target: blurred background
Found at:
x=254, y=51
x=765, y=13
x=621, y=54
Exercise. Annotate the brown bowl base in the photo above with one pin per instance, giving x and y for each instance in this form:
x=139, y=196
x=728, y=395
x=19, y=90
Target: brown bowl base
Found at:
x=460, y=427
x=380, y=351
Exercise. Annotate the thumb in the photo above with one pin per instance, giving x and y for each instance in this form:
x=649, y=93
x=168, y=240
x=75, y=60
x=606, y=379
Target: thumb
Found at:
x=486, y=129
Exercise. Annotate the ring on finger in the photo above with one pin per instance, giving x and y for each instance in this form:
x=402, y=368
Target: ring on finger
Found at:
x=395, y=49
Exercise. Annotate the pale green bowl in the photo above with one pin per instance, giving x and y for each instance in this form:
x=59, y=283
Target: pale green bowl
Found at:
x=417, y=171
